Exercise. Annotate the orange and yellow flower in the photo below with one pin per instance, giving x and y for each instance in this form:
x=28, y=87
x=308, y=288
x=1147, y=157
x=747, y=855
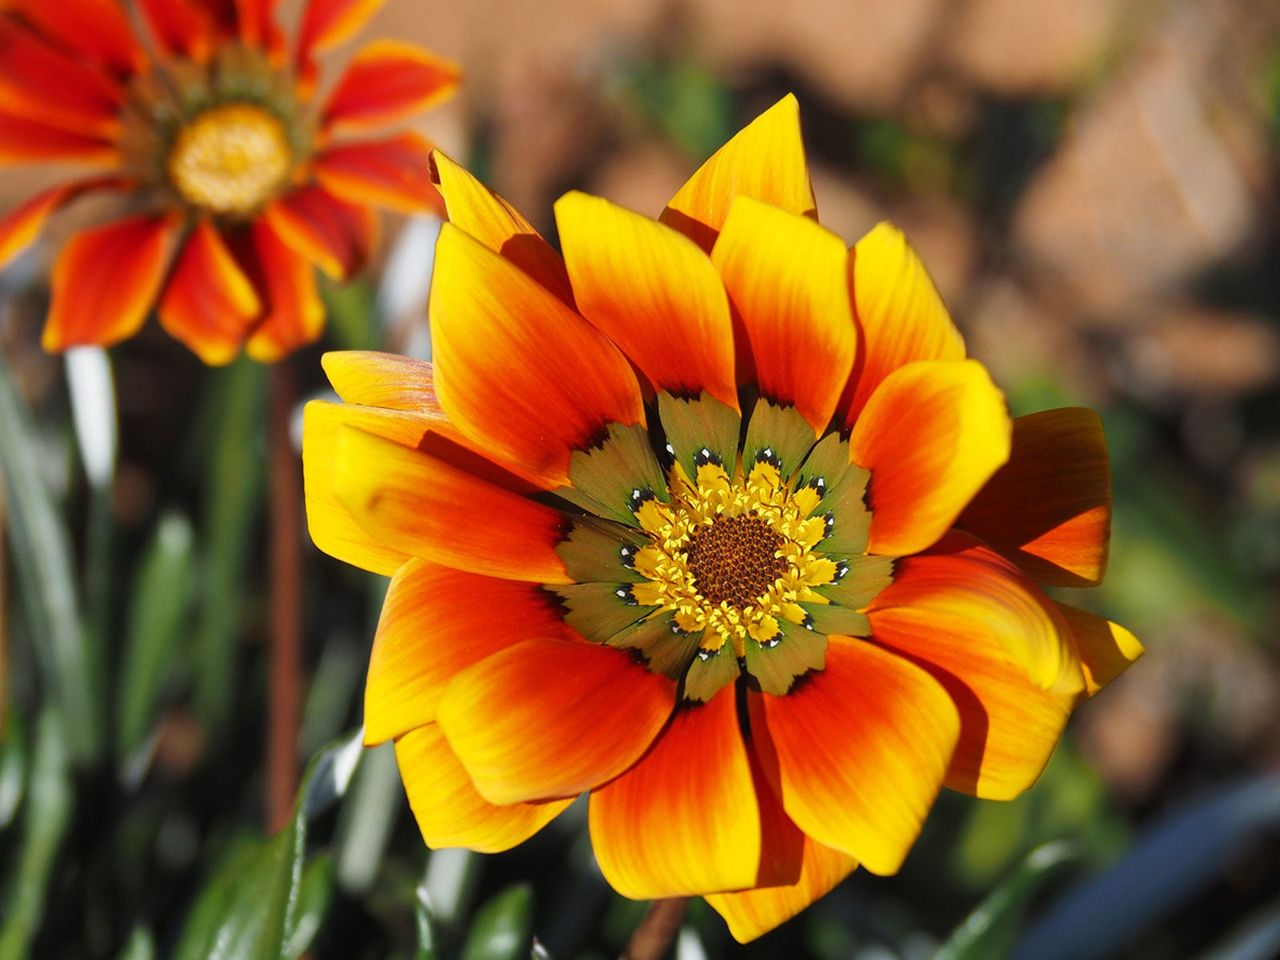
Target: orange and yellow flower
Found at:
x=237, y=181
x=713, y=520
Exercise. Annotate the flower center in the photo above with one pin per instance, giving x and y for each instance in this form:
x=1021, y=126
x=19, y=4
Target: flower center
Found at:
x=732, y=556
x=230, y=159
x=736, y=559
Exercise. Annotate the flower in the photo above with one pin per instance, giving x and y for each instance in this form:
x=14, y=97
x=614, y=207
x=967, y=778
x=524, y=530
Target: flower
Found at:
x=237, y=182
x=714, y=520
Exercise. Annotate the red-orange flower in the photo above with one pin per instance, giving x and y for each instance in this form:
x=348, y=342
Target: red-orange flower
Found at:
x=714, y=520
x=236, y=180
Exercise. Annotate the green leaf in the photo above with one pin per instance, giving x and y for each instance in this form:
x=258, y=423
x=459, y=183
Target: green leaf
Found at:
x=425, y=924
x=45, y=818
x=233, y=497
x=160, y=598
x=13, y=766
x=503, y=926
x=988, y=932
x=42, y=559
x=314, y=897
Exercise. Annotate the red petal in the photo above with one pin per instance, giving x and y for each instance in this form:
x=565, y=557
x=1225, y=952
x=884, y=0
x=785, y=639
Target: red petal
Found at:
x=387, y=81
x=857, y=752
x=682, y=821
x=97, y=31
x=325, y=24
x=1049, y=508
x=43, y=83
x=19, y=229
x=105, y=281
x=184, y=27
x=449, y=811
x=552, y=718
x=334, y=235
x=24, y=141
x=209, y=304
x=286, y=282
x=436, y=622
x=393, y=173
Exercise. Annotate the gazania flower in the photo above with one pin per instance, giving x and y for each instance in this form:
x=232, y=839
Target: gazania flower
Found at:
x=237, y=183
x=714, y=520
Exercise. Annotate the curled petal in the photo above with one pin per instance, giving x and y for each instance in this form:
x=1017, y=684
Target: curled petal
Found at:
x=1105, y=649
x=334, y=235
x=382, y=380
x=286, y=283
x=209, y=304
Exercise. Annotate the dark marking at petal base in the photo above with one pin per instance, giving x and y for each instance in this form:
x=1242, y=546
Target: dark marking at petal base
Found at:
x=779, y=435
x=703, y=426
x=596, y=550
x=863, y=579
x=613, y=478
x=597, y=611
x=710, y=672
x=777, y=664
x=831, y=618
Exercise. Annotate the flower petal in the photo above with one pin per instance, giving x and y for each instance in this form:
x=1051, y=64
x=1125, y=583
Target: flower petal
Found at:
x=753, y=913
x=901, y=317
x=552, y=718
x=516, y=370
x=257, y=26
x=436, y=622
x=765, y=160
x=1105, y=649
x=286, y=282
x=1049, y=508
x=46, y=84
x=25, y=141
x=208, y=304
x=983, y=630
x=387, y=81
x=187, y=28
x=382, y=380
x=421, y=504
x=105, y=281
x=394, y=173
x=682, y=821
x=786, y=279
x=335, y=235
x=480, y=213
x=96, y=31
x=857, y=752
x=20, y=227
x=330, y=523
x=449, y=811
x=328, y=23
x=653, y=293
x=932, y=434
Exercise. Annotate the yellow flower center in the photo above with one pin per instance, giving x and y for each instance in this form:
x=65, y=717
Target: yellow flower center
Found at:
x=230, y=159
x=731, y=556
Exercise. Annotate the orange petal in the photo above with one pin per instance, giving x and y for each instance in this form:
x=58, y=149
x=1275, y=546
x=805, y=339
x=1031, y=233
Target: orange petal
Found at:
x=96, y=31
x=422, y=505
x=653, y=293
x=19, y=229
x=682, y=821
x=983, y=630
x=1105, y=649
x=335, y=235
x=25, y=141
x=46, y=84
x=382, y=380
x=328, y=23
x=517, y=371
x=753, y=913
x=388, y=81
x=105, y=281
x=1049, y=508
x=330, y=523
x=932, y=434
x=394, y=173
x=857, y=752
x=449, y=811
x=552, y=718
x=786, y=279
x=485, y=216
x=901, y=317
x=436, y=622
x=286, y=282
x=257, y=26
x=208, y=303
x=765, y=161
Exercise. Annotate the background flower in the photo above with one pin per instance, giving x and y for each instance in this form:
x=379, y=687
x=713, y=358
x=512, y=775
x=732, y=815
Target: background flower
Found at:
x=239, y=181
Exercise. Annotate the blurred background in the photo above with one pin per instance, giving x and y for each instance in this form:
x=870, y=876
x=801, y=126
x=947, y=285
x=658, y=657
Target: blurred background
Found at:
x=1093, y=185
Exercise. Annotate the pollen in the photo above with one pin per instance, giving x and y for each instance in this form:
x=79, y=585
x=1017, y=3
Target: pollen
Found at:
x=231, y=159
x=731, y=555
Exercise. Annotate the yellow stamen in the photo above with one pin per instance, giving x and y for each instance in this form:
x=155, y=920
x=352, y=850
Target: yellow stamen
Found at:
x=231, y=159
x=732, y=556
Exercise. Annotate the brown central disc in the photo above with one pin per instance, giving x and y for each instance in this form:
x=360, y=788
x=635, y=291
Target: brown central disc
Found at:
x=735, y=559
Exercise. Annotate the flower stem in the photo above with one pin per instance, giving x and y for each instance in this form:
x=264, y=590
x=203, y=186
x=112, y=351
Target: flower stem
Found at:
x=284, y=689
x=653, y=937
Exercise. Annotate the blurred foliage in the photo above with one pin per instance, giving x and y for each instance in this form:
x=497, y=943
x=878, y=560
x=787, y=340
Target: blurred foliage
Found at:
x=131, y=750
